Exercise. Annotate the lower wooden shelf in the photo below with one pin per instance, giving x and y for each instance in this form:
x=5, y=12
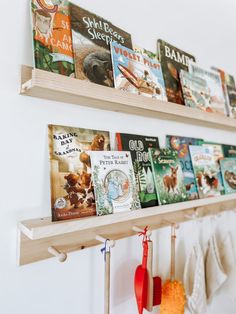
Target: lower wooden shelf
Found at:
x=38, y=234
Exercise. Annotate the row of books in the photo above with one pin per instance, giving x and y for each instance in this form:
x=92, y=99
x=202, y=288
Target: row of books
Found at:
x=72, y=41
x=88, y=178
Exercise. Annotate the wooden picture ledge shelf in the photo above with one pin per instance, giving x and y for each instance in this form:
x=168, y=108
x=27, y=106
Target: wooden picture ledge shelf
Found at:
x=37, y=235
x=51, y=86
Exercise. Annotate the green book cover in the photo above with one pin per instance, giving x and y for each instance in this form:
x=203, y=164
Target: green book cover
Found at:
x=229, y=150
x=228, y=170
x=168, y=176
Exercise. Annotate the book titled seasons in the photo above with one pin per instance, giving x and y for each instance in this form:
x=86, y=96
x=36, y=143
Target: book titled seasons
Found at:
x=138, y=146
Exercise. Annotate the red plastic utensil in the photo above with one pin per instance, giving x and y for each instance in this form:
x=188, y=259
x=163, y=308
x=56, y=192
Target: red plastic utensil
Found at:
x=157, y=284
x=141, y=280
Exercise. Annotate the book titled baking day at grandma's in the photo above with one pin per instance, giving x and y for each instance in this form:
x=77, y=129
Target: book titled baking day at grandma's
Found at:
x=72, y=194
x=52, y=40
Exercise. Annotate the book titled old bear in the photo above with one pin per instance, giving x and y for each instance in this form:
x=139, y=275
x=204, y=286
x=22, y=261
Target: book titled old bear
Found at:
x=172, y=61
x=138, y=146
x=91, y=36
x=168, y=176
x=72, y=193
x=52, y=36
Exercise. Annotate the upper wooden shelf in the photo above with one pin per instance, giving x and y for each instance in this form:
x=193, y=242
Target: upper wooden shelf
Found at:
x=47, y=85
x=71, y=235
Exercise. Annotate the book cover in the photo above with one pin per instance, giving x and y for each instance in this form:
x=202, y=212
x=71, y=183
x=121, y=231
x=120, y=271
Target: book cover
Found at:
x=168, y=176
x=138, y=146
x=181, y=145
x=195, y=91
x=205, y=170
x=218, y=155
x=231, y=101
x=72, y=193
x=52, y=42
x=228, y=170
x=145, y=52
x=214, y=84
x=114, y=182
x=136, y=73
x=172, y=61
x=91, y=36
x=229, y=150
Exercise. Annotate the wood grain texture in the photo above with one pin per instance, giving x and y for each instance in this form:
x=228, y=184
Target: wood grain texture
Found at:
x=47, y=85
x=73, y=235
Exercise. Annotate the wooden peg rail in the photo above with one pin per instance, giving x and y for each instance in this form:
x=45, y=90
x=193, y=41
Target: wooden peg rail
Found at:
x=37, y=235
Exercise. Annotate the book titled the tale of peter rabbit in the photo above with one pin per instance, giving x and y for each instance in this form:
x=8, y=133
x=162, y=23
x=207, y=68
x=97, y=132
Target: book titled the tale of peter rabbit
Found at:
x=91, y=37
x=72, y=193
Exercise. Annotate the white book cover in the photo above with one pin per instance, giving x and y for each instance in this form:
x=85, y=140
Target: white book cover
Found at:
x=214, y=84
x=114, y=182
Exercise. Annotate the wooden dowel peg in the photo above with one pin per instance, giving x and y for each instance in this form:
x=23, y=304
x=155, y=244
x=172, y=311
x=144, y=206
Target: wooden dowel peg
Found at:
x=59, y=255
x=110, y=243
x=137, y=229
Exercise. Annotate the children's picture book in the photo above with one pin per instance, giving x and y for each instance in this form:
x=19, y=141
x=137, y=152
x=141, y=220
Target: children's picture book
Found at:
x=136, y=73
x=205, y=170
x=228, y=170
x=168, y=176
x=181, y=145
x=72, y=193
x=229, y=150
x=114, y=182
x=231, y=101
x=218, y=103
x=195, y=91
x=91, y=36
x=172, y=61
x=138, y=146
x=52, y=42
x=218, y=155
x=145, y=52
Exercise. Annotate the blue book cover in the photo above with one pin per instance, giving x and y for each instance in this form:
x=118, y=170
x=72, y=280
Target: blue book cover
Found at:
x=137, y=73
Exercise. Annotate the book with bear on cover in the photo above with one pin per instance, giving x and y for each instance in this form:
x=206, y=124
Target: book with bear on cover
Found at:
x=168, y=176
x=229, y=150
x=136, y=73
x=195, y=91
x=52, y=42
x=213, y=79
x=172, y=61
x=205, y=170
x=91, y=36
x=72, y=194
x=181, y=145
x=114, y=182
x=138, y=146
x=228, y=170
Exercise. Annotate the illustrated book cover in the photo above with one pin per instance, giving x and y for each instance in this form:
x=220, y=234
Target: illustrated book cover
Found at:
x=72, y=193
x=138, y=146
x=91, y=36
x=231, y=101
x=218, y=103
x=228, y=170
x=229, y=150
x=168, y=176
x=195, y=91
x=114, y=182
x=52, y=42
x=181, y=145
x=205, y=170
x=218, y=155
x=172, y=61
x=145, y=52
x=136, y=73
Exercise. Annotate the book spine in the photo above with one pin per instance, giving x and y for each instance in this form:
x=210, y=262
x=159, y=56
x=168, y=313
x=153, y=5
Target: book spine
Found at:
x=119, y=142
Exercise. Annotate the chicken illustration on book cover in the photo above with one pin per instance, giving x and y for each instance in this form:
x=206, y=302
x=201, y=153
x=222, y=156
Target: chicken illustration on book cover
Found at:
x=136, y=73
x=181, y=145
x=138, y=146
x=114, y=182
x=172, y=61
x=72, y=193
x=214, y=84
x=52, y=36
x=229, y=150
x=228, y=170
x=91, y=36
x=205, y=170
x=168, y=176
x=195, y=91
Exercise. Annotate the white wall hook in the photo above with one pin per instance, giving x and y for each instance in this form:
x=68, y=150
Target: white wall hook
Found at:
x=61, y=256
x=137, y=229
x=171, y=223
x=110, y=243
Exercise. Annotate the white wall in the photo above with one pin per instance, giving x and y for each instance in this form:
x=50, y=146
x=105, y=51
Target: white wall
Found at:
x=204, y=27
